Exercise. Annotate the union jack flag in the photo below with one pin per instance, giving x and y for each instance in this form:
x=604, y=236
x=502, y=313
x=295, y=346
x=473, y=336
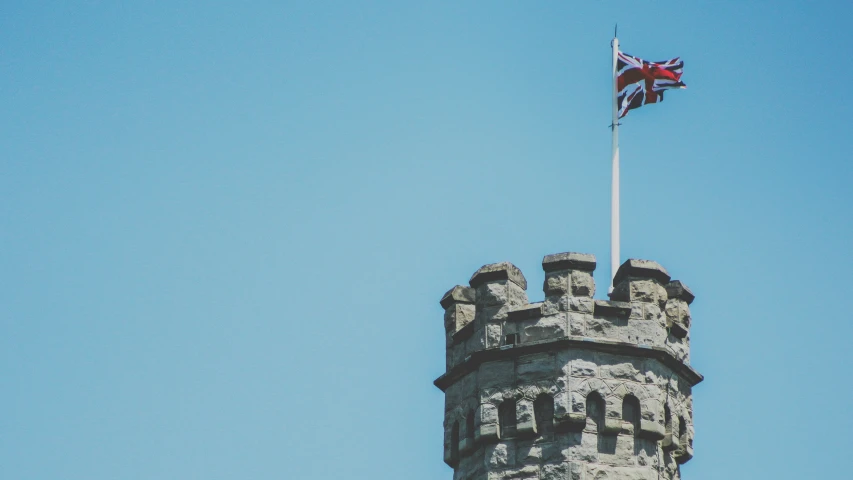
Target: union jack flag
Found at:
x=639, y=82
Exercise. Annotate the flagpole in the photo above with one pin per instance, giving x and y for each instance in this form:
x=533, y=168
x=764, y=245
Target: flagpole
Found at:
x=614, y=187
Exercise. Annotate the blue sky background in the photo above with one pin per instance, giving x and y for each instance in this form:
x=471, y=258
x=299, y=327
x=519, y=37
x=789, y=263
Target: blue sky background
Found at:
x=226, y=226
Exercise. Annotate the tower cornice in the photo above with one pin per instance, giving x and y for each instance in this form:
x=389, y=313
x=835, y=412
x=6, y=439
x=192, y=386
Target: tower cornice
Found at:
x=473, y=361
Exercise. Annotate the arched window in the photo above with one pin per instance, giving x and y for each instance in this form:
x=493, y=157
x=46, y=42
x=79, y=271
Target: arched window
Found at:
x=454, y=442
x=682, y=430
x=667, y=419
x=543, y=412
x=469, y=426
x=507, y=418
x=631, y=412
x=594, y=410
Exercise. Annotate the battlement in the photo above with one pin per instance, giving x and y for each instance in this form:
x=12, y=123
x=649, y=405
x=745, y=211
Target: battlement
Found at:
x=645, y=308
x=570, y=386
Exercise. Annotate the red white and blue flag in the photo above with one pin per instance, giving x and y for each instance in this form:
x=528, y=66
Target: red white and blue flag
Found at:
x=640, y=82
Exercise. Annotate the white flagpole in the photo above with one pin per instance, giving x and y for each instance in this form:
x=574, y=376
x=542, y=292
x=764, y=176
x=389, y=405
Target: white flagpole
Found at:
x=614, y=187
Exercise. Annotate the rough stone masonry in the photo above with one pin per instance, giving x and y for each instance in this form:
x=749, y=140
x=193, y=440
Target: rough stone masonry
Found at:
x=570, y=388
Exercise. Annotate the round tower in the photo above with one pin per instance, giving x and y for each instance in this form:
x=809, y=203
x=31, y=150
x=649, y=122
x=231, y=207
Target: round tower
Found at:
x=570, y=388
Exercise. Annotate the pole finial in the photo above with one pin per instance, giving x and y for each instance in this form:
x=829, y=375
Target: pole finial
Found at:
x=615, y=29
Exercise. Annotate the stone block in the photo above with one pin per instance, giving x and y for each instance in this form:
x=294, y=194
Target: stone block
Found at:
x=580, y=304
x=555, y=326
x=493, y=293
x=622, y=371
x=499, y=456
x=582, y=368
x=645, y=333
x=497, y=373
x=583, y=285
x=577, y=324
x=486, y=413
x=498, y=271
x=556, y=283
x=601, y=327
x=569, y=261
x=531, y=368
x=648, y=291
x=458, y=315
x=552, y=305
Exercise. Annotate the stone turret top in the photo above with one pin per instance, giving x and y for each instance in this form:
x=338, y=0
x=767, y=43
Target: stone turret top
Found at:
x=458, y=294
x=676, y=289
x=641, y=269
x=498, y=271
x=569, y=261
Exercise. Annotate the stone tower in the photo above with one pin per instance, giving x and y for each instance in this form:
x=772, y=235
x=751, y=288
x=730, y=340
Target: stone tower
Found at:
x=570, y=388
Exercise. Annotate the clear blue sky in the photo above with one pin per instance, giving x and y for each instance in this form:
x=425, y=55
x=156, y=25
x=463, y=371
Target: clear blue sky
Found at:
x=226, y=226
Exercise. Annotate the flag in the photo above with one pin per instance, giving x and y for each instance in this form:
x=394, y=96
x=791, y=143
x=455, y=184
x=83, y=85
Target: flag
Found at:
x=640, y=82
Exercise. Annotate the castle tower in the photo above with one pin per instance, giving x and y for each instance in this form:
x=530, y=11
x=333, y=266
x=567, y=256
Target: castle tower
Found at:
x=570, y=388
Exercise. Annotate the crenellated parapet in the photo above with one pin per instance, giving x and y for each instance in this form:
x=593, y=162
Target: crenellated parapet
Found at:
x=645, y=307
x=569, y=386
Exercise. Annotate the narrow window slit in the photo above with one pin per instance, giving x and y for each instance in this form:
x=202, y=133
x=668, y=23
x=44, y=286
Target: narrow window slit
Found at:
x=507, y=418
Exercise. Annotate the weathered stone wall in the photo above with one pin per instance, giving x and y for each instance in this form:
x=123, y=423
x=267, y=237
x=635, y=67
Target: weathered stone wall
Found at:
x=571, y=387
